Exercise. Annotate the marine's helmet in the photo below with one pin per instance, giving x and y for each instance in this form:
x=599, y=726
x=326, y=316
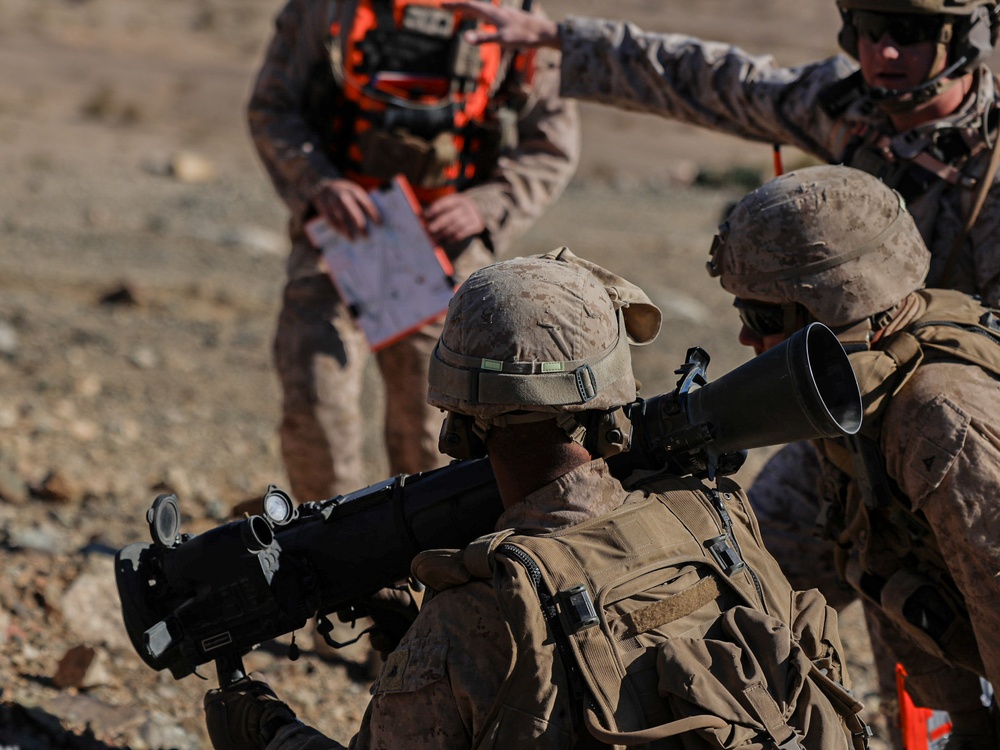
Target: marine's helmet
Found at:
x=834, y=240
x=965, y=36
x=537, y=338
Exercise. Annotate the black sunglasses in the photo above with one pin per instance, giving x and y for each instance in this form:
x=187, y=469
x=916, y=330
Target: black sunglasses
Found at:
x=904, y=28
x=760, y=318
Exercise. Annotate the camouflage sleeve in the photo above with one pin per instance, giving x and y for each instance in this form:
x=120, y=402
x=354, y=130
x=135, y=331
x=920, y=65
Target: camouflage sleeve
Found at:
x=531, y=177
x=710, y=84
x=942, y=445
x=436, y=689
x=287, y=145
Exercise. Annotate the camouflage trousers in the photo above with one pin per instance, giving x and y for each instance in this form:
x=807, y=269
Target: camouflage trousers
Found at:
x=785, y=498
x=320, y=356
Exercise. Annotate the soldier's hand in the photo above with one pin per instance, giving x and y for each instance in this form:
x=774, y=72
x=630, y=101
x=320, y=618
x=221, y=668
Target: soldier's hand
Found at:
x=392, y=611
x=346, y=206
x=514, y=28
x=453, y=218
x=245, y=716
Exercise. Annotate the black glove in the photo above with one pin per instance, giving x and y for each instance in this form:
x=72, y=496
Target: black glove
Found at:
x=392, y=611
x=245, y=716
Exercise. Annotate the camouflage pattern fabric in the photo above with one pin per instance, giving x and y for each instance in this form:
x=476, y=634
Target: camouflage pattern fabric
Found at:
x=821, y=110
x=791, y=515
x=832, y=239
x=320, y=356
x=573, y=327
x=437, y=688
x=319, y=352
x=939, y=441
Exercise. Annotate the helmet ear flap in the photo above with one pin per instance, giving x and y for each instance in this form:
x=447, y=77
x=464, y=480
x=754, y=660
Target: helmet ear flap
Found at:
x=608, y=432
x=459, y=438
x=847, y=38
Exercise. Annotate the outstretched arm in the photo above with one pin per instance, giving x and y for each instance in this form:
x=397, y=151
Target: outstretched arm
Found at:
x=513, y=27
x=709, y=84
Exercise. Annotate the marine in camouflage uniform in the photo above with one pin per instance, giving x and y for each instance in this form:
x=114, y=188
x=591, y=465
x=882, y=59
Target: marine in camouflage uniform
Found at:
x=319, y=351
x=442, y=687
x=826, y=109
x=438, y=688
x=912, y=503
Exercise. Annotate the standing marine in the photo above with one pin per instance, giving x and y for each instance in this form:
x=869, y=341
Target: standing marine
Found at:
x=351, y=93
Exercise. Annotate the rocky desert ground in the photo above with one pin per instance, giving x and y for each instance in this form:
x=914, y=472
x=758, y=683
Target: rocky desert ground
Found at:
x=141, y=258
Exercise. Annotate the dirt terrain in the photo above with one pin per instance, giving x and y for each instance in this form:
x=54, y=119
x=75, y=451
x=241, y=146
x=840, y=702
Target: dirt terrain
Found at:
x=141, y=258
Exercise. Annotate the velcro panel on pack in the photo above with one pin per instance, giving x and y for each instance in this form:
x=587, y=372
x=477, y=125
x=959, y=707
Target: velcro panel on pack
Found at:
x=673, y=608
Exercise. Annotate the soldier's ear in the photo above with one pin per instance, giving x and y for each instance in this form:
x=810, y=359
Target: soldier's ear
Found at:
x=847, y=37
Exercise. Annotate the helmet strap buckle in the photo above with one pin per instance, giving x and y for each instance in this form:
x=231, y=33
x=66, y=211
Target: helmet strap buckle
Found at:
x=586, y=383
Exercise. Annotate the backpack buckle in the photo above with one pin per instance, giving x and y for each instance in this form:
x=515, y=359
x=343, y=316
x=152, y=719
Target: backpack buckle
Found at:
x=727, y=557
x=576, y=609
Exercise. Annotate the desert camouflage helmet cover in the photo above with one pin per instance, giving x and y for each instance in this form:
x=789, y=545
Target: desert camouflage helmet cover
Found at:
x=833, y=239
x=948, y=7
x=547, y=333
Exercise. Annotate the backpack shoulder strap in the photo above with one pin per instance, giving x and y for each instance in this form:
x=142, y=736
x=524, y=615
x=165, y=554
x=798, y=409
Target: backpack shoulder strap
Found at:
x=441, y=569
x=957, y=325
x=478, y=556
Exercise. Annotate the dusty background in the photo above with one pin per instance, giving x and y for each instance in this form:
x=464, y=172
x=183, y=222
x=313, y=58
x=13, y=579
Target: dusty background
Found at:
x=141, y=253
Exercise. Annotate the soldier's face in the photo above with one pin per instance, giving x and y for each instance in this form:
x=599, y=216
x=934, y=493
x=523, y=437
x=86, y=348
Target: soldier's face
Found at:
x=758, y=343
x=766, y=325
x=888, y=63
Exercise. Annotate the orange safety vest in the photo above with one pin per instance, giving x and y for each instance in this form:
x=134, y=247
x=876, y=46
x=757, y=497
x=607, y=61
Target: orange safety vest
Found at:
x=922, y=728
x=415, y=97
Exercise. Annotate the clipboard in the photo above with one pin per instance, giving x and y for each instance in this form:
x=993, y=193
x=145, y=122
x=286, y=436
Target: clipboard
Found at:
x=396, y=279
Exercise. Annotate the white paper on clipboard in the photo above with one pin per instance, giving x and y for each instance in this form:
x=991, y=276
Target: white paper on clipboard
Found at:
x=395, y=279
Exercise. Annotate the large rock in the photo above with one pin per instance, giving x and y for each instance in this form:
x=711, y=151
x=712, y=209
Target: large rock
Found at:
x=92, y=608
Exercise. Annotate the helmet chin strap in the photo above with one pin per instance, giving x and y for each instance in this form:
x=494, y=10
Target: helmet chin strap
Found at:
x=906, y=100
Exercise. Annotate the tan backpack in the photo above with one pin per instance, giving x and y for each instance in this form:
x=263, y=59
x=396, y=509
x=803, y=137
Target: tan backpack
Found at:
x=669, y=626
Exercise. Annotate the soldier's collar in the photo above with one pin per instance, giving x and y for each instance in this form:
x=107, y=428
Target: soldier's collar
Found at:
x=865, y=334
